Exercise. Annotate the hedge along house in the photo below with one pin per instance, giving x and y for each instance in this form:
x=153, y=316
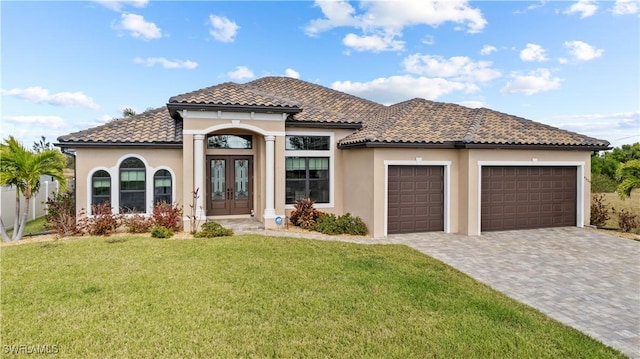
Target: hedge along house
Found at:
x=253, y=149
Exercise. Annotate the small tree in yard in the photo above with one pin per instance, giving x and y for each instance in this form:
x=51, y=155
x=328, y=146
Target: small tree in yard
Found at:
x=23, y=168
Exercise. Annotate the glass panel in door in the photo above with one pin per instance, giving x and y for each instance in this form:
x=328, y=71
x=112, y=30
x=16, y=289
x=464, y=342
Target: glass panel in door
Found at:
x=241, y=179
x=218, y=174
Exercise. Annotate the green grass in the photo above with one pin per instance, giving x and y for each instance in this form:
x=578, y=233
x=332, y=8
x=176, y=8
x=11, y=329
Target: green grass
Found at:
x=33, y=227
x=258, y=296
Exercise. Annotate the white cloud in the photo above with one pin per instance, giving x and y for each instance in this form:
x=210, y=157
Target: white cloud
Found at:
x=531, y=83
x=626, y=7
x=472, y=104
x=52, y=122
x=292, y=73
x=428, y=40
x=533, y=52
x=223, y=29
x=382, y=21
x=241, y=72
x=582, y=51
x=389, y=90
x=373, y=43
x=618, y=128
x=167, y=64
x=487, y=49
x=460, y=68
x=585, y=8
x=139, y=28
x=117, y=5
x=41, y=95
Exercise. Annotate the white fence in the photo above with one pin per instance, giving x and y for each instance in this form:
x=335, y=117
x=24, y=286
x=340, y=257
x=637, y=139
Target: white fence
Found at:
x=37, y=207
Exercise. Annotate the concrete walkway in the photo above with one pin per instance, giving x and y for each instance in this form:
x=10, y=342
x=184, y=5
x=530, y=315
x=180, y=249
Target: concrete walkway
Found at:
x=580, y=277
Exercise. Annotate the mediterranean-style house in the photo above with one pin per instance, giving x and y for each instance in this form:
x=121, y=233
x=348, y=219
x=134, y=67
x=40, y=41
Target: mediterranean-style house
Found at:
x=253, y=149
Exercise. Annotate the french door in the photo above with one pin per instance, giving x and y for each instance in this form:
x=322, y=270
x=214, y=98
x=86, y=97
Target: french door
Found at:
x=229, y=185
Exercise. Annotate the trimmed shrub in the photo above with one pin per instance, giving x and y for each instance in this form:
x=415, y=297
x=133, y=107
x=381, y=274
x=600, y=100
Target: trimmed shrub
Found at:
x=161, y=232
x=168, y=216
x=102, y=223
x=138, y=224
x=352, y=225
x=304, y=215
x=599, y=211
x=213, y=229
x=628, y=222
x=328, y=223
x=61, y=214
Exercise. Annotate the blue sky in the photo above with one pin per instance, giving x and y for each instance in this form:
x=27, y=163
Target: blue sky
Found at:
x=68, y=66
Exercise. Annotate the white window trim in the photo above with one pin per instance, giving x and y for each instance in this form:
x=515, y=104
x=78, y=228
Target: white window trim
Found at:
x=90, y=187
x=173, y=184
x=114, y=172
x=324, y=153
x=419, y=162
x=534, y=163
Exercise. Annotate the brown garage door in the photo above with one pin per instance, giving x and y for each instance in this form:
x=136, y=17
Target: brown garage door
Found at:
x=527, y=197
x=415, y=199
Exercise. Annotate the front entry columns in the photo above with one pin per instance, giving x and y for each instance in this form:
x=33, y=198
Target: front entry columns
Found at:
x=269, y=210
x=198, y=173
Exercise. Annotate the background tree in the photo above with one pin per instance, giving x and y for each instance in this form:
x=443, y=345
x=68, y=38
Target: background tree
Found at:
x=42, y=145
x=23, y=168
x=604, y=167
x=128, y=112
x=629, y=177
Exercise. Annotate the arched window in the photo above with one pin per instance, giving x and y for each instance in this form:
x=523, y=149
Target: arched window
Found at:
x=132, y=186
x=100, y=187
x=162, y=187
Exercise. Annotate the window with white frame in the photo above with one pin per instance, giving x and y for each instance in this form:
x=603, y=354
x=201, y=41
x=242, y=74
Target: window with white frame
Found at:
x=100, y=187
x=132, y=186
x=308, y=166
x=162, y=187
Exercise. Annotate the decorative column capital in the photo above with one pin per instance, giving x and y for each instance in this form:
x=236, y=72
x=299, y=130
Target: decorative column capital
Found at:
x=269, y=138
x=198, y=137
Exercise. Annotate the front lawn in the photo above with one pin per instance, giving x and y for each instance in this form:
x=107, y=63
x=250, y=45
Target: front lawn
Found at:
x=259, y=296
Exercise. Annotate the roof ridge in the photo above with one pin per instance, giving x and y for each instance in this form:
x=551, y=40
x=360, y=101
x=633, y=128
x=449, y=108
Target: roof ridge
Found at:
x=404, y=107
x=324, y=88
x=475, y=125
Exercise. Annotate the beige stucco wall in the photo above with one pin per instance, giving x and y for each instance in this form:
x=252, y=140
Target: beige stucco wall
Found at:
x=89, y=160
x=365, y=179
x=358, y=184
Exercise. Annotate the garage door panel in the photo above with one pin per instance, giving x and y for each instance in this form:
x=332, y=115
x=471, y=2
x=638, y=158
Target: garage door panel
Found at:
x=532, y=197
x=415, y=199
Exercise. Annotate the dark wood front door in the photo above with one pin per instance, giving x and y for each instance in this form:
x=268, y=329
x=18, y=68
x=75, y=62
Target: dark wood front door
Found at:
x=229, y=185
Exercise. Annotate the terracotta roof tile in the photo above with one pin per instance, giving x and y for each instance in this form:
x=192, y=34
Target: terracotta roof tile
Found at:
x=230, y=93
x=152, y=126
x=415, y=121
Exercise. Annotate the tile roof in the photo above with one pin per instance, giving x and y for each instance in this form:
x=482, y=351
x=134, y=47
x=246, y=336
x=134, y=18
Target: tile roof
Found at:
x=152, y=126
x=420, y=121
x=413, y=122
x=232, y=94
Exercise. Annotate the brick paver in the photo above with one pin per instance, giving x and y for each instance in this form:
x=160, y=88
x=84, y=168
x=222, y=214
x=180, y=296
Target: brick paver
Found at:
x=583, y=278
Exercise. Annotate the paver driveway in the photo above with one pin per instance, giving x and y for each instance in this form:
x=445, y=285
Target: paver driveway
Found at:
x=580, y=277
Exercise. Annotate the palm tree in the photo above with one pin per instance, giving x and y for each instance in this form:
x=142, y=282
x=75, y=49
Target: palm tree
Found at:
x=628, y=174
x=23, y=168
